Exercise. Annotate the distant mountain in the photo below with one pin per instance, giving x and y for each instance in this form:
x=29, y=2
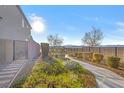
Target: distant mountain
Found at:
x=112, y=45
x=77, y=46
x=72, y=46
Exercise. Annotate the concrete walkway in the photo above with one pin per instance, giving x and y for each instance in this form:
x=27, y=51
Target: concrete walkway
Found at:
x=8, y=71
x=105, y=78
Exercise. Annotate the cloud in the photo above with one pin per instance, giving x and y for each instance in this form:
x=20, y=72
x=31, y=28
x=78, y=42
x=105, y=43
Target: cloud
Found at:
x=65, y=38
x=120, y=26
x=113, y=42
x=77, y=42
x=37, y=23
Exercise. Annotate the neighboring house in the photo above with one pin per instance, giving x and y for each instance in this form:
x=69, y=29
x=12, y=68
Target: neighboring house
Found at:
x=16, y=42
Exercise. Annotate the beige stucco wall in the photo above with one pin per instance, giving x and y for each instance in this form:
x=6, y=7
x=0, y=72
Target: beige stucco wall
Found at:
x=33, y=50
x=6, y=51
x=22, y=50
x=2, y=53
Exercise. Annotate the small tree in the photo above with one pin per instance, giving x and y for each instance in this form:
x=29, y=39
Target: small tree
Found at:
x=93, y=38
x=54, y=41
x=50, y=39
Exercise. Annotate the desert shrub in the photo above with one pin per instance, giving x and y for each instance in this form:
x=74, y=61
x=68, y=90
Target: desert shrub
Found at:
x=97, y=57
x=31, y=81
x=75, y=67
x=79, y=55
x=113, y=61
x=19, y=83
x=53, y=75
x=68, y=80
x=56, y=67
x=71, y=54
x=121, y=64
x=88, y=56
x=59, y=74
x=76, y=54
x=34, y=79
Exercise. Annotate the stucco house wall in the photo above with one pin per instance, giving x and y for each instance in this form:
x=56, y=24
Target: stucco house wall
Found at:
x=13, y=24
x=33, y=50
x=6, y=51
x=2, y=53
x=16, y=42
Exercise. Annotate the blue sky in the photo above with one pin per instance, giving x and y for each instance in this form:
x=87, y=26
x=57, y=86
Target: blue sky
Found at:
x=71, y=22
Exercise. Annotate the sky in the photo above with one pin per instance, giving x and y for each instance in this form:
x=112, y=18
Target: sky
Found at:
x=72, y=22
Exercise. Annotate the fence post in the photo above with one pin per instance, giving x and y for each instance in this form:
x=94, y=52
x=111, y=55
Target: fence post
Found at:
x=89, y=48
x=99, y=50
x=82, y=49
x=115, y=51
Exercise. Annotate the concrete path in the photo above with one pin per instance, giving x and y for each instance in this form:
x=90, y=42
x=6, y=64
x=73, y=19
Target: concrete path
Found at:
x=105, y=78
x=8, y=71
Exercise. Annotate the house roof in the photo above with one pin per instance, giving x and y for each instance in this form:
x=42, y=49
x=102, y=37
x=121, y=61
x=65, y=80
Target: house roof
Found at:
x=23, y=16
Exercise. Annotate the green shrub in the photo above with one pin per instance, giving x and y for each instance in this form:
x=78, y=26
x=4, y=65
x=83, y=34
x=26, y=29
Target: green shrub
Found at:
x=113, y=61
x=97, y=57
x=59, y=74
x=88, y=56
x=72, y=54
